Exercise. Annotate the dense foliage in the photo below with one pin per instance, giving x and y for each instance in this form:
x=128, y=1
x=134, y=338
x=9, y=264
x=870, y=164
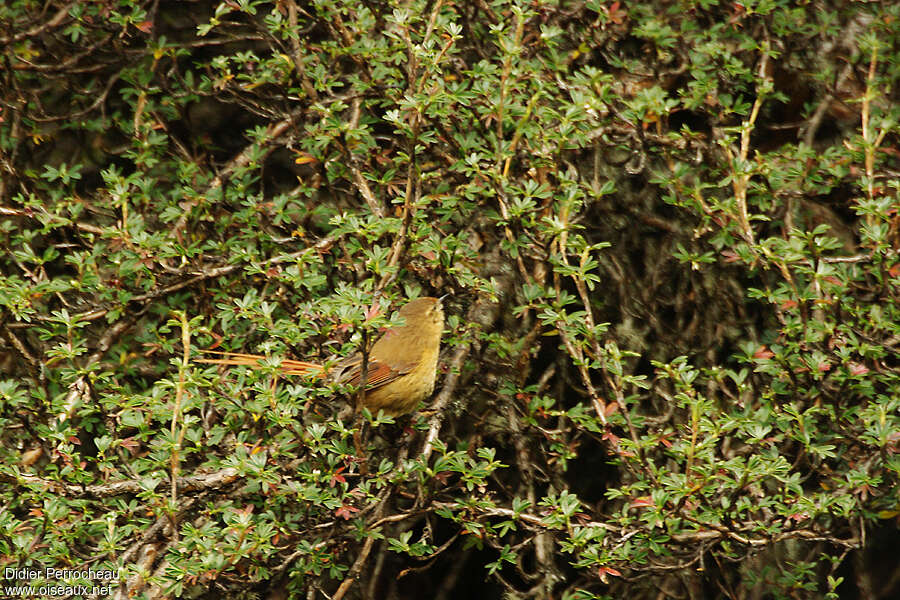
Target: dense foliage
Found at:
x=669, y=232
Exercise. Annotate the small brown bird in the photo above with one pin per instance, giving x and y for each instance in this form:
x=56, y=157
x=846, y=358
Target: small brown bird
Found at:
x=401, y=367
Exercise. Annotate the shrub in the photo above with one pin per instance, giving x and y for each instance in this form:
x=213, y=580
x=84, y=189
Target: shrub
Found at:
x=669, y=233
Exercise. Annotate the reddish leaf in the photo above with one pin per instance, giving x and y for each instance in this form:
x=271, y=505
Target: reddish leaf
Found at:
x=763, y=353
x=337, y=477
x=373, y=311
x=604, y=571
x=443, y=477
x=858, y=369
x=129, y=443
x=346, y=512
x=730, y=256
x=610, y=409
x=615, y=13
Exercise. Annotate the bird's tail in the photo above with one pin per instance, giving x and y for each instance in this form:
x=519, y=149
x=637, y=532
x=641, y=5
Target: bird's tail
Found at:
x=288, y=366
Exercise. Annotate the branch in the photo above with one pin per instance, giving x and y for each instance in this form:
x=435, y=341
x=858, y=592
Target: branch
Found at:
x=189, y=483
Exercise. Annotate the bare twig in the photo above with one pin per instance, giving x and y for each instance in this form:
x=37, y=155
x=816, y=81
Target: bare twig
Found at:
x=363, y=555
x=176, y=410
x=354, y=571
x=296, y=55
x=443, y=398
x=191, y=483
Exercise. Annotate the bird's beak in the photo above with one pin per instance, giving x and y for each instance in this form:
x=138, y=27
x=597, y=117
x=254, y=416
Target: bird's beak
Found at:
x=441, y=299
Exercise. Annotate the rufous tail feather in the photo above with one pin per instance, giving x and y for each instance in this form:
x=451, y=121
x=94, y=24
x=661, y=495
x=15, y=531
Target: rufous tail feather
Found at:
x=237, y=359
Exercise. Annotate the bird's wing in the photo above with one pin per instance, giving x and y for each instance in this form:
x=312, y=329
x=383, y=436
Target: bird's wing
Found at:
x=378, y=373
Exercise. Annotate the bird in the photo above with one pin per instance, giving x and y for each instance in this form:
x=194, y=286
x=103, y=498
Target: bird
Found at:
x=401, y=367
